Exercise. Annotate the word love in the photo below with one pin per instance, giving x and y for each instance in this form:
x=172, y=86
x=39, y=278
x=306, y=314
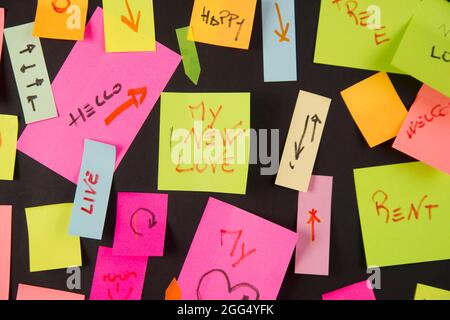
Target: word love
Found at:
x=443, y=55
x=380, y=199
x=225, y=18
x=369, y=18
x=437, y=111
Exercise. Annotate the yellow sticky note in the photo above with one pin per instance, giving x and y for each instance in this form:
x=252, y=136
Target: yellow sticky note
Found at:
x=51, y=246
x=227, y=23
x=60, y=19
x=424, y=292
x=129, y=25
x=303, y=141
x=9, y=127
x=376, y=108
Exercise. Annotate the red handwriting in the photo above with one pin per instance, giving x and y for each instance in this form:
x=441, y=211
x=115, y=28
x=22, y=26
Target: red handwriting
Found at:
x=238, y=235
x=90, y=191
x=202, y=137
x=360, y=18
x=312, y=219
x=117, y=278
x=438, y=111
x=380, y=199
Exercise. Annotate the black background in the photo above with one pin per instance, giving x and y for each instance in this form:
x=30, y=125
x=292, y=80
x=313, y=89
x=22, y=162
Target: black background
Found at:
x=223, y=70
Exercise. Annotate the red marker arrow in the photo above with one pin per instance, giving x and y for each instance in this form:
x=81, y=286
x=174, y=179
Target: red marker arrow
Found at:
x=133, y=101
x=130, y=21
x=284, y=30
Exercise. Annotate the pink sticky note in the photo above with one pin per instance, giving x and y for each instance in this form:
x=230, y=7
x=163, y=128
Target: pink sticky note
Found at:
x=313, y=227
x=235, y=255
x=425, y=133
x=2, y=25
x=357, y=291
x=140, y=224
x=100, y=96
x=117, y=277
x=27, y=292
x=5, y=250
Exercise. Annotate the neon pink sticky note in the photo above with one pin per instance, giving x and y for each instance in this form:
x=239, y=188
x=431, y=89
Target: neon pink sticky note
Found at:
x=425, y=133
x=27, y=292
x=235, y=255
x=5, y=250
x=357, y=291
x=2, y=25
x=118, y=277
x=140, y=224
x=100, y=96
x=313, y=227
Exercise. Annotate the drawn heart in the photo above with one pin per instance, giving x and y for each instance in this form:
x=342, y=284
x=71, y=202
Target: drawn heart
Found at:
x=216, y=285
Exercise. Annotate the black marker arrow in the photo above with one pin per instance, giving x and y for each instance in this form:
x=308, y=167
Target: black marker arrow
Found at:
x=30, y=99
x=38, y=83
x=24, y=67
x=316, y=120
x=29, y=48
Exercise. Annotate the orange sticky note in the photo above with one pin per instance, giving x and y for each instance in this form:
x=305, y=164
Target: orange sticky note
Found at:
x=376, y=108
x=227, y=23
x=5, y=250
x=173, y=291
x=60, y=19
x=27, y=292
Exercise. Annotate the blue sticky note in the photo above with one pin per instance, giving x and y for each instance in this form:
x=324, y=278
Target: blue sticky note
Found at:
x=94, y=186
x=279, y=42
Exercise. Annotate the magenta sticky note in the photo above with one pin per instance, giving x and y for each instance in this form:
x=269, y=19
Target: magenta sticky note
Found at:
x=235, y=255
x=313, y=227
x=117, y=277
x=140, y=224
x=99, y=96
x=358, y=291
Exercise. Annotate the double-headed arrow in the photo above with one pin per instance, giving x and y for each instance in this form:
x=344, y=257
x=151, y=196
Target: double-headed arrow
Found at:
x=133, y=101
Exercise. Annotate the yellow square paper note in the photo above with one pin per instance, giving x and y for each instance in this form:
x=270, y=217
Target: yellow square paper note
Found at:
x=226, y=23
x=8, y=141
x=51, y=246
x=60, y=19
x=129, y=25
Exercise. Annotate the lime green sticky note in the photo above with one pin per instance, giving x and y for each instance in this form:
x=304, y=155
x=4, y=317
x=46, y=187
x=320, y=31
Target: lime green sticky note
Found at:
x=204, y=142
x=129, y=25
x=424, y=292
x=362, y=34
x=404, y=213
x=9, y=127
x=50, y=245
x=424, y=51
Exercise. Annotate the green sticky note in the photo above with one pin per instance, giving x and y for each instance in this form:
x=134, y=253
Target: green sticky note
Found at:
x=9, y=126
x=362, y=34
x=31, y=75
x=424, y=292
x=424, y=51
x=204, y=142
x=50, y=245
x=404, y=213
x=189, y=55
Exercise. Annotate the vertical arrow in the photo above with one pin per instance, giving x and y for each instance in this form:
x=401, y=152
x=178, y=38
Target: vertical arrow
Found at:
x=284, y=30
x=130, y=21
